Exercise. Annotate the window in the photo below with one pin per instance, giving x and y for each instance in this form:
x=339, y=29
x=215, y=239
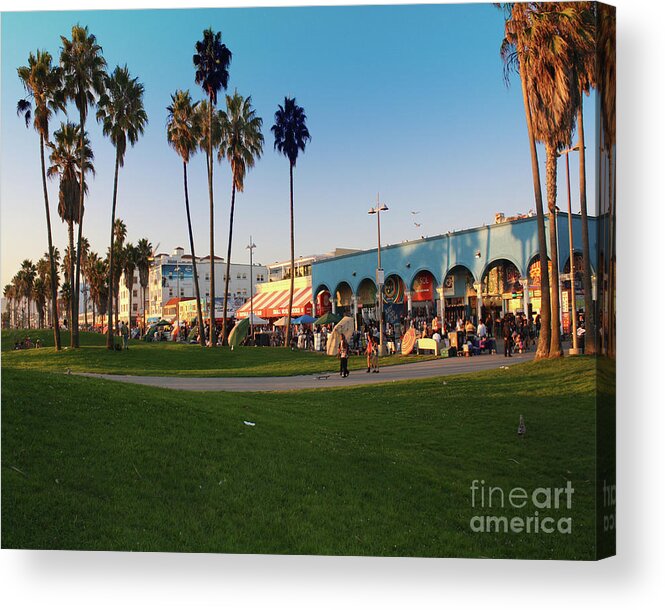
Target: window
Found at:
x=135, y=293
x=238, y=276
x=244, y=276
x=207, y=277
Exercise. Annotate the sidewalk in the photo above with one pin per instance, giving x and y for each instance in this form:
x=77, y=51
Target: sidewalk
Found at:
x=399, y=372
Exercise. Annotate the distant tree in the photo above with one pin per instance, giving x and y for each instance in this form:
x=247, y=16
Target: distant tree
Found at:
x=84, y=73
x=43, y=84
x=183, y=133
x=211, y=60
x=242, y=145
x=143, y=260
x=291, y=137
x=123, y=119
x=65, y=159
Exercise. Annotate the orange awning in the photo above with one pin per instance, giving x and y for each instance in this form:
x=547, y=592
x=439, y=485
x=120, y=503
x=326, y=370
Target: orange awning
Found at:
x=275, y=304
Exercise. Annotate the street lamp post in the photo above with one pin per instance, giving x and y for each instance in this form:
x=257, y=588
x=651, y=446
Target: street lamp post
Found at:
x=572, y=307
x=177, y=301
x=251, y=247
x=380, y=207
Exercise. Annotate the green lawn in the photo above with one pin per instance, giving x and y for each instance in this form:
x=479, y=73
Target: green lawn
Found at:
x=173, y=359
x=374, y=470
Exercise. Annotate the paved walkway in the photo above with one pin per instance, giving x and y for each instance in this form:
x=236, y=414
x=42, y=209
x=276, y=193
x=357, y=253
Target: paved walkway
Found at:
x=401, y=372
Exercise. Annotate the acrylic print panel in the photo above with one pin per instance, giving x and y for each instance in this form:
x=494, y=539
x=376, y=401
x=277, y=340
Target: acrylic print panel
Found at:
x=217, y=214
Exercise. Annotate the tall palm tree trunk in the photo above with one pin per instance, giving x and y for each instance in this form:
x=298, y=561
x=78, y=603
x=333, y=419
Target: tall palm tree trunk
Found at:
x=293, y=264
x=550, y=168
x=611, y=279
x=228, y=260
x=70, y=230
x=212, y=229
x=199, y=313
x=110, y=329
x=543, y=349
x=589, y=318
x=51, y=260
x=76, y=283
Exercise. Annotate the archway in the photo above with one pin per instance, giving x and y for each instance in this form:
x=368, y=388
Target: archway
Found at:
x=367, y=300
x=343, y=301
x=423, y=297
x=572, y=292
x=459, y=294
x=394, y=301
x=533, y=275
x=322, y=301
x=502, y=290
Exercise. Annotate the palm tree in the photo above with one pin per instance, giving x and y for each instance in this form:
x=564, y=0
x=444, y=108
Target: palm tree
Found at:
x=212, y=60
x=583, y=47
x=8, y=293
x=123, y=118
x=42, y=82
x=291, y=137
x=99, y=286
x=85, y=253
x=18, y=298
x=120, y=233
x=129, y=256
x=27, y=276
x=65, y=161
x=38, y=295
x=183, y=133
x=607, y=95
x=515, y=51
x=143, y=258
x=242, y=145
x=90, y=274
x=84, y=73
x=553, y=99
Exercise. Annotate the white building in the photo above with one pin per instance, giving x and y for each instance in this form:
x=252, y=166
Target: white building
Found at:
x=137, y=300
x=173, y=276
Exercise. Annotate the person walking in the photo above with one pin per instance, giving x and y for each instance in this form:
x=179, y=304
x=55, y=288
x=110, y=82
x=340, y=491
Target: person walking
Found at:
x=343, y=357
x=124, y=331
x=375, y=356
x=507, y=338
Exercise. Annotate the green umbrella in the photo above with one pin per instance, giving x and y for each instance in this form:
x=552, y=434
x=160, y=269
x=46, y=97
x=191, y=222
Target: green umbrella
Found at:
x=328, y=318
x=239, y=332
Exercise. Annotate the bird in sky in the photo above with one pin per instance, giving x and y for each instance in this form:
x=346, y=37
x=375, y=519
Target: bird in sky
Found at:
x=417, y=224
x=414, y=213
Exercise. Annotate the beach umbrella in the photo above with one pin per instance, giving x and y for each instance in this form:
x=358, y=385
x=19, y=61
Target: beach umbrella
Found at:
x=239, y=333
x=283, y=321
x=256, y=320
x=163, y=323
x=304, y=319
x=328, y=318
x=345, y=327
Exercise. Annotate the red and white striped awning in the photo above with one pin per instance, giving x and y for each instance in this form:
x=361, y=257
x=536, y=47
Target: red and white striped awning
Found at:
x=275, y=304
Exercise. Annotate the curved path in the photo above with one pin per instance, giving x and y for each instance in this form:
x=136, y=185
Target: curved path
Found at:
x=398, y=372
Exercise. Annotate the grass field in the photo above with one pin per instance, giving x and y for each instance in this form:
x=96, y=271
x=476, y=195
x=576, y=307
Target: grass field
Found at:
x=173, y=359
x=375, y=470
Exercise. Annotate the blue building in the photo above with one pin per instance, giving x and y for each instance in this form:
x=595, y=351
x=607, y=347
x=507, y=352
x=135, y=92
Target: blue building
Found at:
x=482, y=271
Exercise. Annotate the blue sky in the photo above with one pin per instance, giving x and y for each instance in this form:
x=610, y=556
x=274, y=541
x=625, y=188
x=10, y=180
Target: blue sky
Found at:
x=405, y=100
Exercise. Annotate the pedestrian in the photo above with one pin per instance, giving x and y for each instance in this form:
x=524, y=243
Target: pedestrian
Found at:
x=124, y=331
x=375, y=356
x=507, y=338
x=343, y=357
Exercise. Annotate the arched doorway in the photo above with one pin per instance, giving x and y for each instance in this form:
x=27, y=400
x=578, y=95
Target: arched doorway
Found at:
x=459, y=294
x=534, y=284
x=572, y=292
x=343, y=300
x=394, y=301
x=322, y=301
x=502, y=290
x=423, y=296
x=367, y=301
